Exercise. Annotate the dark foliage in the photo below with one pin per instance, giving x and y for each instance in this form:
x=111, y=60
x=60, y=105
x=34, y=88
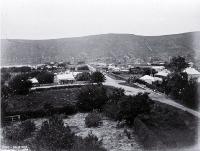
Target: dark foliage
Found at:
x=111, y=109
x=53, y=136
x=83, y=67
x=130, y=107
x=5, y=76
x=23, y=69
x=176, y=84
x=48, y=108
x=17, y=133
x=91, y=97
x=190, y=96
x=177, y=64
x=85, y=76
x=97, y=77
x=67, y=110
x=45, y=77
x=117, y=93
x=149, y=71
x=5, y=91
x=20, y=84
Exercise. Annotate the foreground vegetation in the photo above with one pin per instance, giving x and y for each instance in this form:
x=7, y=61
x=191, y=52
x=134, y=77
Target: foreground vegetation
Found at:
x=52, y=136
x=163, y=120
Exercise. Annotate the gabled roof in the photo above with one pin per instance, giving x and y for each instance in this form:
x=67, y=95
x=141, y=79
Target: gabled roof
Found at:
x=163, y=73
x=147, y=77
x=191, y=71
x=65, y=76
x=33, y=80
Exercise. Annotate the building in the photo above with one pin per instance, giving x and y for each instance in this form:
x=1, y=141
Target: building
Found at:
x=64, y=78
x=34, y=81
x=192, y=73
x=162, y=74
x=149, y=79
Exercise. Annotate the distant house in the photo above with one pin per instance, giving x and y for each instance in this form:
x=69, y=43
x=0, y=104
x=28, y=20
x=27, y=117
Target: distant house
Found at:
x=192, y=73
x=34, y=81
x=158, y=68
x=149, y=79
x=64, y=78
x=162, y=74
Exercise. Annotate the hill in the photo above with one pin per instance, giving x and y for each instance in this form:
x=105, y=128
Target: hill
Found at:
x=107, y=46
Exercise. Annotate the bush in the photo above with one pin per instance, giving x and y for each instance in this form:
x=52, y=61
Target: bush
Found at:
x=17, y=133
x=52, y=136
x=82, y=67
x=128, y=107
x=20, y=84
x=91, y=97
x=131, y=106
x=45, y=77
x=111, y=110
x=93, y=119
x=90, y=143
x=117, y=93
x=97, y=77
x=85, y=76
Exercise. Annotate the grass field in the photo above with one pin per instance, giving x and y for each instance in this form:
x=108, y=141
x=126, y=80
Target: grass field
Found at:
x=35, y=101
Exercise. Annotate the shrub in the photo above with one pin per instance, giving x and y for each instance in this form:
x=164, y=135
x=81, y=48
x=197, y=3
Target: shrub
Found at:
x=91, y=97
x=83, y=67
x=93, y=119
x=85, y=76
x=17, y=133
x=111, y=109
x=90, y=143
x=97, y=77
x=45, y=77
x=48, y=108
x=117, y=93
x=53, y=135
x=20, y=84
x=132, y=106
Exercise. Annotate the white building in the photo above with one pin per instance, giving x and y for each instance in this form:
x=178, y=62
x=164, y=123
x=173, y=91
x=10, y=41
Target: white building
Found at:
x=192, y=73
x=150, y=79
x=64, y=78
x=163, y=73
x=34, y=81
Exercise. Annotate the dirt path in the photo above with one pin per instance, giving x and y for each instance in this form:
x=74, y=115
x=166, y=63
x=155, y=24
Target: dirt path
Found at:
x=155, y=96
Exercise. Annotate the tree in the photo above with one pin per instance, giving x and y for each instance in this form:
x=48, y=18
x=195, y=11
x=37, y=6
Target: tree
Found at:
x=97, y=77
x=117, y=93
x=149, y=71
x=83, y=67
x=85, y=76
x=131, y=106
x=177, y=64
x=91, y=97
x=175, y=84
x=5, y=76
x=190, y=95
x=45, y=77
x=20, y=84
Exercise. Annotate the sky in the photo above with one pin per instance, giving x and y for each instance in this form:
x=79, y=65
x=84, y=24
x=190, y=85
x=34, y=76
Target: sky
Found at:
x=47, y=19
